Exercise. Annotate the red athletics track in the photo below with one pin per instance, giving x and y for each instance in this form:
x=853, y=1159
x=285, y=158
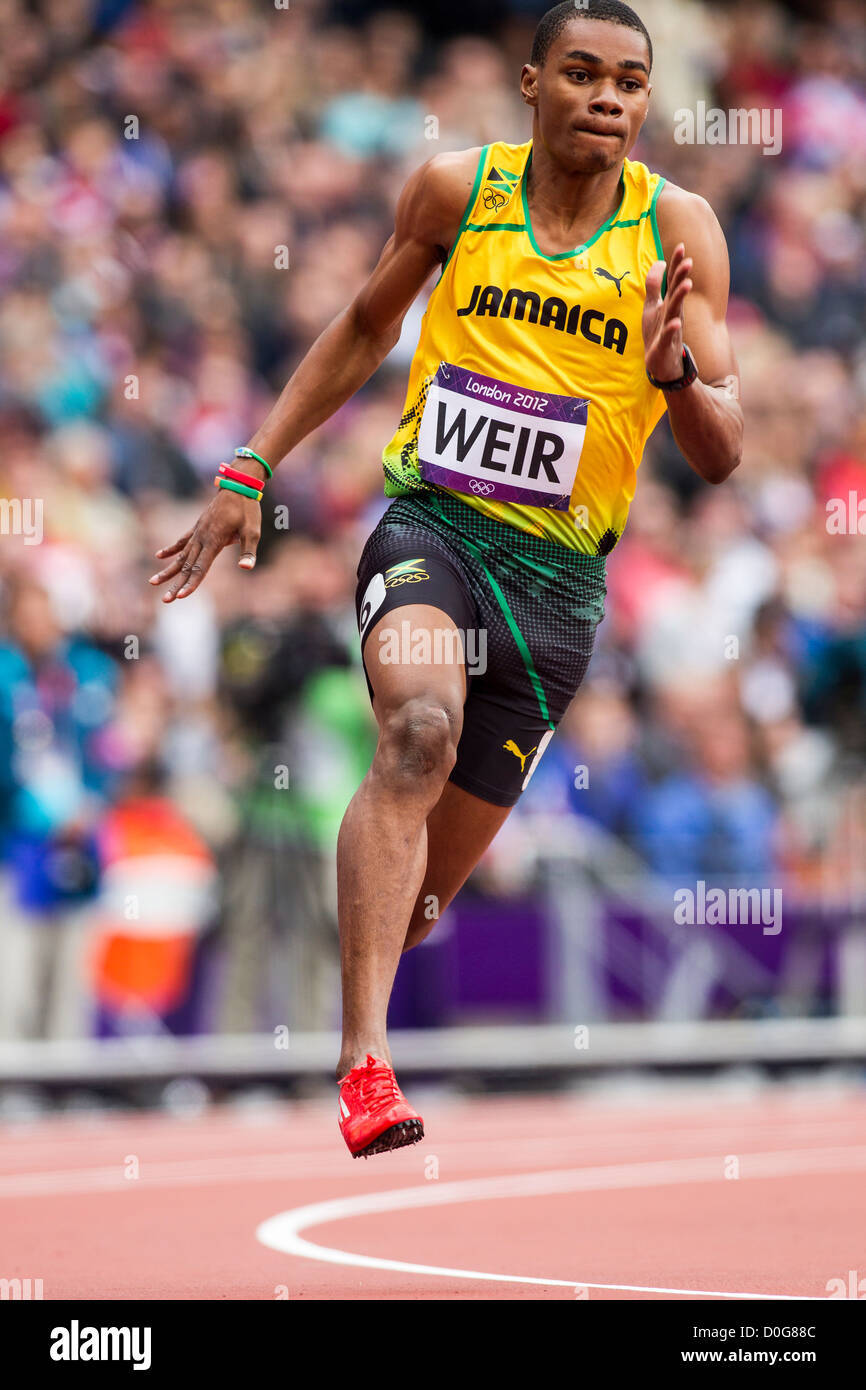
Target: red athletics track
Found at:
x=570, y=1191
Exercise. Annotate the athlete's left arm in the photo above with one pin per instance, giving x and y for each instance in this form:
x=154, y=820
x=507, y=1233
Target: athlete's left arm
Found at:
x=706, y=417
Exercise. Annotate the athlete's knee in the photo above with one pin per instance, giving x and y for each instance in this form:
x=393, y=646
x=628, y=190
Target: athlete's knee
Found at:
x=418, y=741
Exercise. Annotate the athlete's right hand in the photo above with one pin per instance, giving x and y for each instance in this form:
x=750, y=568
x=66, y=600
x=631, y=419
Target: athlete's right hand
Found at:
x=229, y=517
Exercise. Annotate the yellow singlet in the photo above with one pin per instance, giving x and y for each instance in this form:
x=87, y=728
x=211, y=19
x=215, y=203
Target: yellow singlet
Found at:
x=528, y=397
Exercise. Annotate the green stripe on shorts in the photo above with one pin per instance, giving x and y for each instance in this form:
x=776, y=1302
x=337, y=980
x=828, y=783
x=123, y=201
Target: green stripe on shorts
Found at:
x=534, y=677
x=570, y=577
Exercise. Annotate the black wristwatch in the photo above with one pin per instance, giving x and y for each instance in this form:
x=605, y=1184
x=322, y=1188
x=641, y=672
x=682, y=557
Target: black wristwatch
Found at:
x=689, y=375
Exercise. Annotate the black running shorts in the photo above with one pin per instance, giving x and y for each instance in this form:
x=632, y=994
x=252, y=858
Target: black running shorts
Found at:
x=526, y=610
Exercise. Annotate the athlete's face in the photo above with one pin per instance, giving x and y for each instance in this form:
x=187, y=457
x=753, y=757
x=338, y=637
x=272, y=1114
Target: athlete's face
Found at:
x=590, y=96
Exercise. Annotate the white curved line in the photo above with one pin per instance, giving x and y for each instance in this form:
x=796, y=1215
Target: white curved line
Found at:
x=283, y=1231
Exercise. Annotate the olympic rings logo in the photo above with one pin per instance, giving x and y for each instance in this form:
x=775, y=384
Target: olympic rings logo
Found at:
x=483, y=488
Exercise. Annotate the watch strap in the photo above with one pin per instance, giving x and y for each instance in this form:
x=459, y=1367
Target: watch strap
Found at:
x=689, y=375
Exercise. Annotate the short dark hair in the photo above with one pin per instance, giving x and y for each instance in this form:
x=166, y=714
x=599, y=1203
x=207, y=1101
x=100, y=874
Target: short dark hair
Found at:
x=551, y=25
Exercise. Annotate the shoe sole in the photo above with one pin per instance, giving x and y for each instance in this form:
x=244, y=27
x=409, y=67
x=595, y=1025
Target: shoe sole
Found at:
x=396, y=1137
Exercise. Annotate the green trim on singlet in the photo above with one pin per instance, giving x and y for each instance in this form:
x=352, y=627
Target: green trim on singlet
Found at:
x=655, y=226
x=496, y=227
x=654, y=217
x=520, y=640
x=564, y=255
x=629, y=221
x=464, y=221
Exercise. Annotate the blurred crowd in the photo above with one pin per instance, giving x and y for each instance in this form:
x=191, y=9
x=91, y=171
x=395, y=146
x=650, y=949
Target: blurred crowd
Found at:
x=188, y=194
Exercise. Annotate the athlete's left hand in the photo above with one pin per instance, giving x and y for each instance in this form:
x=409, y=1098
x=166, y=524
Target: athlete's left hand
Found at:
x=662, y=322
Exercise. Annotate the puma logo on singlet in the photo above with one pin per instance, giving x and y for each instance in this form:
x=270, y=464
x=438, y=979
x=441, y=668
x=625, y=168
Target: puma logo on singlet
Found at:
x=511, y=747
x=617, y=279
x=553, y=312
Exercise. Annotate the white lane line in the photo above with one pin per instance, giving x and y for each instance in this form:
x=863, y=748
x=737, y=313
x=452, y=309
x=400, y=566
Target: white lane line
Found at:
x=283, y=1231
x=332, y=1160
x=291, y=1166
x=188, y=1136
x=188, y=1172
x=288, y=1166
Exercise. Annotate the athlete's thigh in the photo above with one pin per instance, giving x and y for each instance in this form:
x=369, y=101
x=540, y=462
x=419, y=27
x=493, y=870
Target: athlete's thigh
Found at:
x=514, y=708
x=535, y=656
x=459, y=829
x=401, y=663
x=413, y=613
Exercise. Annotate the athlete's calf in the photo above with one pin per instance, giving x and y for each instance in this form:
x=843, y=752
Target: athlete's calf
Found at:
x=382, y=845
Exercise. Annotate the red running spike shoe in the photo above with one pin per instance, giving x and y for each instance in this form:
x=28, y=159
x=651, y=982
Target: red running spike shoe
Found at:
x=375, y=1116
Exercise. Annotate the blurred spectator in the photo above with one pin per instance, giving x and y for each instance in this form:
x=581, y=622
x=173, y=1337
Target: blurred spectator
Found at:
x=157, y=895
x=712, y=819
x=56, y=700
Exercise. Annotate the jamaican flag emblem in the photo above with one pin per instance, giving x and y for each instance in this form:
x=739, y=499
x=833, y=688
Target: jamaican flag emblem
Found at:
x=498, y=187
x=405, y=572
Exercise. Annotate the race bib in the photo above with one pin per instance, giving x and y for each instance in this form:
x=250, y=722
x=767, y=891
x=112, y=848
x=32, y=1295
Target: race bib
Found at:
x=491, y=439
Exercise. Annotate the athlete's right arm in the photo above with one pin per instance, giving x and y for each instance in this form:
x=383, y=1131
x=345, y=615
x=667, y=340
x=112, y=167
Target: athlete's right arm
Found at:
x=342, y=358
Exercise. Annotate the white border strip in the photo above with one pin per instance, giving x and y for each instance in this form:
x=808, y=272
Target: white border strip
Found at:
x=517, y=1048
